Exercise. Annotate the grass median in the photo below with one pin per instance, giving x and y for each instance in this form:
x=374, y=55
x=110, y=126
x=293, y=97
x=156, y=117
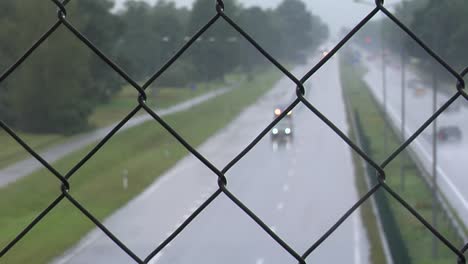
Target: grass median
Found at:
x=409, y=240
x=144, y=152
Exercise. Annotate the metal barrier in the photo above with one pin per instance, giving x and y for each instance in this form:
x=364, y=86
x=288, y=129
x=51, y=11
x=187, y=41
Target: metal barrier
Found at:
x=301, y=257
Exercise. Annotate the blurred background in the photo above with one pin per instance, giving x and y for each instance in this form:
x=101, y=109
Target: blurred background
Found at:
x=374, y=92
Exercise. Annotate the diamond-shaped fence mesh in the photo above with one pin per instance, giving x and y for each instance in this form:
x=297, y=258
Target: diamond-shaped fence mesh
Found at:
x=223, y=186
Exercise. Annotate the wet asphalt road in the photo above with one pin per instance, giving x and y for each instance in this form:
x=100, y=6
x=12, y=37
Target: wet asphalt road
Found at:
x=452, y=165
x=299, y=189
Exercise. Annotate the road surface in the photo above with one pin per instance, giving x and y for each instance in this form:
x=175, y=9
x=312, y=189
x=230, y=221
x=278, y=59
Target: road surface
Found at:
x=299, y=189
x=452, y=165
x=25, y=167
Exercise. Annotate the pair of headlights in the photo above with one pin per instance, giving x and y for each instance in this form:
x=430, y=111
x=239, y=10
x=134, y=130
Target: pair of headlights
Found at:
x=287, y=131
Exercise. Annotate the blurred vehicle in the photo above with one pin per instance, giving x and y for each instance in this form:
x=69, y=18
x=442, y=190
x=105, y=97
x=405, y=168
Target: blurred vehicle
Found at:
x=449, y=134
x=420, y=91
x=284, y=129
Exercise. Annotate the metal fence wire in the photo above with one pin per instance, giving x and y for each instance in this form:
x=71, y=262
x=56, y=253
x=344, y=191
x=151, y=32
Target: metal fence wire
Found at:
x=220, y=14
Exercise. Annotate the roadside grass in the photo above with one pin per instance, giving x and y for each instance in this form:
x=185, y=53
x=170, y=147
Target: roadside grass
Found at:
x=159, y=98
x=377, y=255
x=104, y=115
x=12, y=152
x=145, y=151
x=417, y=238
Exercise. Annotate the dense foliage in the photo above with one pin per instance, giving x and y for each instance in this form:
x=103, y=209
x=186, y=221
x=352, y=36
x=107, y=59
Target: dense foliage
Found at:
x=58, y=87
x=442, y=25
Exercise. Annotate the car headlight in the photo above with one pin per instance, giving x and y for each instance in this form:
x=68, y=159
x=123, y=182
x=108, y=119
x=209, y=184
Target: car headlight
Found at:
x=275, y=131
x=287, y=131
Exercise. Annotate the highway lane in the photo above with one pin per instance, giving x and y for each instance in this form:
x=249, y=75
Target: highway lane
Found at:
x=452, y=165
x=299, y=189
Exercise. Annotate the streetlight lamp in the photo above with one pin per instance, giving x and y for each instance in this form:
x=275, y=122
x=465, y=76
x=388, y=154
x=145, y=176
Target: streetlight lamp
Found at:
x=384, y=76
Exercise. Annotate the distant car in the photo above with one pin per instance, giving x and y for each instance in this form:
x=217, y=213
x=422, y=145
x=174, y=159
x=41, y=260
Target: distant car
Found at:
x=449, y=134
x=420, y=91
x=284, y=129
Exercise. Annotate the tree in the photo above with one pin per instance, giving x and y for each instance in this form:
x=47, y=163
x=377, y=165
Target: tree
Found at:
x=260, y=25
x=138, y=44
x=102, y=28
x=48, y=93
x=218, y=52
x=443, y=25
x=295, y=24
x=58, y=86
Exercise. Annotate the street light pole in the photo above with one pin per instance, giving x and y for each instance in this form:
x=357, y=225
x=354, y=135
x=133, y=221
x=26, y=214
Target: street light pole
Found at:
x=403, y=110
x=434, y=164
x=384, y=85
x=384, y=76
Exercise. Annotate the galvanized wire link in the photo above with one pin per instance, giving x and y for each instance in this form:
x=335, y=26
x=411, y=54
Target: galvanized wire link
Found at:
x=219, y=175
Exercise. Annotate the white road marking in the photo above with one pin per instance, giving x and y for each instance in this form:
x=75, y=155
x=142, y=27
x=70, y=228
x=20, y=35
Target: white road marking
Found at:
x=260, y=261
x=199, y=202
x=294, y=161
x=280, y=206
x=178, y=225
x=155, y=259
x=357, y=252
x=148, y=192
x=211, y=189
x=285, y=188
x=193, y=209
x=80, y=248
x=206, y=194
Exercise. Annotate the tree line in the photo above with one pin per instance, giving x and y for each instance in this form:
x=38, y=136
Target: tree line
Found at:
x=442, y=25
x=60, y=85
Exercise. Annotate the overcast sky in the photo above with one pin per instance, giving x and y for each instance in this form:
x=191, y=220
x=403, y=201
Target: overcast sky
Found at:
x=336, y=13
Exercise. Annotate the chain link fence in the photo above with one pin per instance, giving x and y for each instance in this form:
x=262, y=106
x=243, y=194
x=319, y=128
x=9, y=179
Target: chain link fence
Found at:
x=223, y=185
